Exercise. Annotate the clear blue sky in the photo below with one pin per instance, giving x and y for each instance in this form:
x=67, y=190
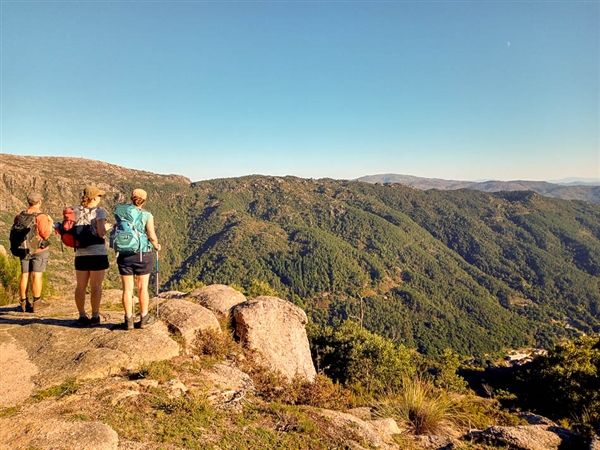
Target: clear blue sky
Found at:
x=456, y=89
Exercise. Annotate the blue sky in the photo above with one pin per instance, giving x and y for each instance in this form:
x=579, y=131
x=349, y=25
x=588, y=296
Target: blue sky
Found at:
x=458, y=90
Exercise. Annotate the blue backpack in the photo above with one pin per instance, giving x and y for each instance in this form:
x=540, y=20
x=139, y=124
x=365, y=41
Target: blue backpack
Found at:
x=129, y=233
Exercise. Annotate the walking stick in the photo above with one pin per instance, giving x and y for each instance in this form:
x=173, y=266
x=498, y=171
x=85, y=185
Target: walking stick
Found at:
x=156, y=284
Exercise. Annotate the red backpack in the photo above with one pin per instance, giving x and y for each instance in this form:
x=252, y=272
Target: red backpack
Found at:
x=76, y=228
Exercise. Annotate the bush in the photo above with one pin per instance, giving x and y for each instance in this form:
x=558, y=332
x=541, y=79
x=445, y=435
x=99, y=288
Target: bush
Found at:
x=10, y=277
x=564, y=384
x=356, y=357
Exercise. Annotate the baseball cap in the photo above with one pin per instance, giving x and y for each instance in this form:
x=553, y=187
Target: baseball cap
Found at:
x=34, y=197
x=92, y=192
x=140, y=193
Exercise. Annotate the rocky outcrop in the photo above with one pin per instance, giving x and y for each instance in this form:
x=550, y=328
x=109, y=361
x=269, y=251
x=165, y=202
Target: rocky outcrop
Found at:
x=57, y=435
x=47, y=348
x=275, y=328
x=219, y=298
x=532, y=437
x=595, y=443
x=187, y=318
x=374, y=433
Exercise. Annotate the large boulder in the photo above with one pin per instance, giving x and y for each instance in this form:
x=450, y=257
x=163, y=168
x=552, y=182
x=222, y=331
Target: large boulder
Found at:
x=219, y=298
x=188, y=318
x=275, y=328
x=532, y=437
x=595, y=443
x=52, y=434
x=376, y=434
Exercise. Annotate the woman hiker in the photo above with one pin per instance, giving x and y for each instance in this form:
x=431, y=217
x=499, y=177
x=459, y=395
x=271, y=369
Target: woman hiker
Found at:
x=135, y=258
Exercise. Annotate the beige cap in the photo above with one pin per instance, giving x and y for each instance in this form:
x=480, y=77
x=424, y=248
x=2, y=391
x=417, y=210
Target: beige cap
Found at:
x=139, y=193
x=92, y=192
x=34, y=197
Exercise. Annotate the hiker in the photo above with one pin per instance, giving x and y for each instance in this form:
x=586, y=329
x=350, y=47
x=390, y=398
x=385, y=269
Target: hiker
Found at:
x=134, y=238
x=91, y=261
x=33, y=249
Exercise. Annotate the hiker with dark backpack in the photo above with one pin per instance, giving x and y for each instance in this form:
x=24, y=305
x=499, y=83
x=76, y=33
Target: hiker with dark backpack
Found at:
x=133, y=238
x=91, y=253
x=29, y=241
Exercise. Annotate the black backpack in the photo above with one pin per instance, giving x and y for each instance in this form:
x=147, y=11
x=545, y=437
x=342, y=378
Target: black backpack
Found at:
x=24, y=237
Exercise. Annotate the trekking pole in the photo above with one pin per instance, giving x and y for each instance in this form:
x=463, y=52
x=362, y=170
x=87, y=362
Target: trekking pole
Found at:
x=157, y=284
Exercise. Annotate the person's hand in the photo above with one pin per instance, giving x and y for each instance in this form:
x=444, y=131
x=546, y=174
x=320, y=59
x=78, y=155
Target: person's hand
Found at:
x=158, y=247
x=108, y=227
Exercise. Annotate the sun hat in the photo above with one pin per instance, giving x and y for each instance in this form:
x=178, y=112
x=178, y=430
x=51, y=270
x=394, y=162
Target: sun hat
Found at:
x=92, y=192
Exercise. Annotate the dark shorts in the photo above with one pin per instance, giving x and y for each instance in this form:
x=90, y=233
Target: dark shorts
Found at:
x=131, y=264
x=35, y=262
x=93, y=263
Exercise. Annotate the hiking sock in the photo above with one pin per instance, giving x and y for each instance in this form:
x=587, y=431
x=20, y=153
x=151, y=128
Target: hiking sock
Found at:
x=82, y=314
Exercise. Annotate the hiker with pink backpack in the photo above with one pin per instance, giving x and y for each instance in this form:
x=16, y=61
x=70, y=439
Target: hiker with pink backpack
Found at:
x=83, y=228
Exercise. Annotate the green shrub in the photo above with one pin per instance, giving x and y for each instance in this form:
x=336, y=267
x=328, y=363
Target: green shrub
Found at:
x=564, y=384
x=356, y=357
x=10, y=277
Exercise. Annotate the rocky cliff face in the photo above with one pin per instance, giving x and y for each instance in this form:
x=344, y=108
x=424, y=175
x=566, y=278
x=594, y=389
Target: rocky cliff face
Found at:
x=61, y=180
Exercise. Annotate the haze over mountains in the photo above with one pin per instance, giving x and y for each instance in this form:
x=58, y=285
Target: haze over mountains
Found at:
x=568, y=189
x=475, y=271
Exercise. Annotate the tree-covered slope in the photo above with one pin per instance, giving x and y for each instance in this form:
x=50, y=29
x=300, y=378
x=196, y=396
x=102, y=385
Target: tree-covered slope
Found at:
x=465, y=269
x=471, y=270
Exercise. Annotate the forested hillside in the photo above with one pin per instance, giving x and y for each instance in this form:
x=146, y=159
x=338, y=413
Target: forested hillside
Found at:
x=478, y=272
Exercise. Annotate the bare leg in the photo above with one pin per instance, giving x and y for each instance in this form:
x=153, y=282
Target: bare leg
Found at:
x=23, y=285
x=37, y=284
x=96, y=279
x=127, y=281
x=82, y=276
x=142, y=286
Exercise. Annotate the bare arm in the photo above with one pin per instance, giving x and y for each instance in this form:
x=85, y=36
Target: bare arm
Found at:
x=101, y=227
x=152, y=233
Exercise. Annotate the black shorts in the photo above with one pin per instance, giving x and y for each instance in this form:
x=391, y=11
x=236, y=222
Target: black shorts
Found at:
x=93, y=263
x=131, y=264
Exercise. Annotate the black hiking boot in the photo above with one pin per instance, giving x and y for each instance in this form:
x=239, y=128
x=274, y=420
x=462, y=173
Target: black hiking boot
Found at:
x=83, y=321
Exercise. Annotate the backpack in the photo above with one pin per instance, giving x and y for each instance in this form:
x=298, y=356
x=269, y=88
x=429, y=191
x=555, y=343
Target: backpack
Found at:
x=76, y=228
x=24, y=237
x=129, y=233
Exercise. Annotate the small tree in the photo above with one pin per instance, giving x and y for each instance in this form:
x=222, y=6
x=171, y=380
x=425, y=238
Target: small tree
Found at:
x=356, y=357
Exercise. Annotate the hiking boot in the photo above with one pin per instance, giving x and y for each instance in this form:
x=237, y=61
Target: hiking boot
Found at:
x=29, y=307
x=97, y=320
x=147, y=320
x=22, y=305
x=128, y=323
x=83, y=321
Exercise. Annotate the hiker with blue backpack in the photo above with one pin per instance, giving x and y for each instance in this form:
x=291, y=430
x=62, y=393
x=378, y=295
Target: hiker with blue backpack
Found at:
x=134, y=238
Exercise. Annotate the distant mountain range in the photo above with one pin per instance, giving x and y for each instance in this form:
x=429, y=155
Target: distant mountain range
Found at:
x=567, y=188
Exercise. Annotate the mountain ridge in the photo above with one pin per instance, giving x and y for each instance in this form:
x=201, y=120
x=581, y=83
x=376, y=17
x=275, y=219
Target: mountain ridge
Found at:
x=568, y=191
x=475, y=271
